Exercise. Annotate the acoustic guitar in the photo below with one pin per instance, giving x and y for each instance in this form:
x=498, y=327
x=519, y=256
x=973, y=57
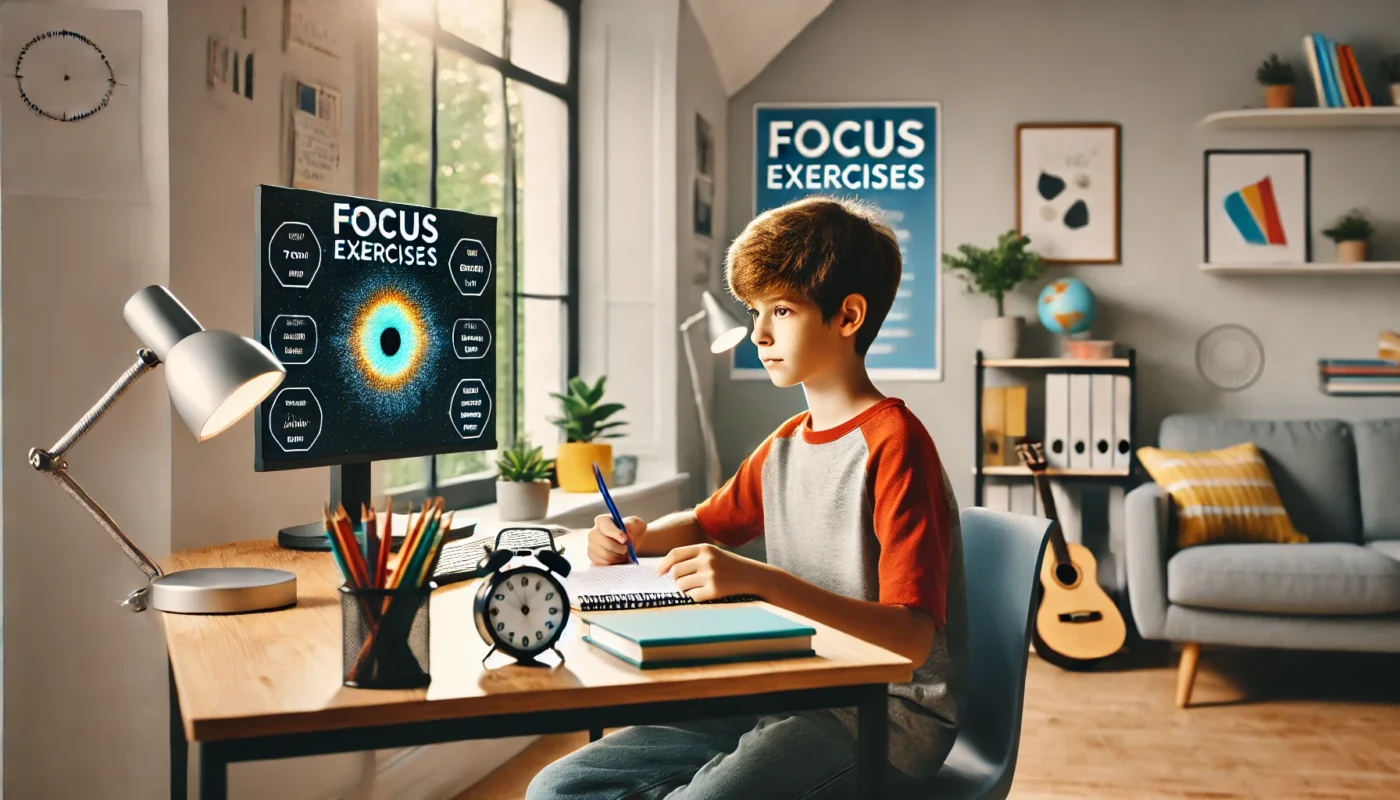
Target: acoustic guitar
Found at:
x=1076, y=623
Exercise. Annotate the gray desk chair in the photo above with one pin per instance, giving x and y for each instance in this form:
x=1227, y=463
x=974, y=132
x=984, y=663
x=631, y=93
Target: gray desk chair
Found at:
x=1001, y=556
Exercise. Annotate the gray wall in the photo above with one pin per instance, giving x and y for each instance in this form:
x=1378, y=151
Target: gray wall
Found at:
x=698, y=90
x=1156, y=68
x=85, y=680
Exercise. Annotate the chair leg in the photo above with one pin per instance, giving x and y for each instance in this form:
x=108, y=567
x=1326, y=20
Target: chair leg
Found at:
x=1186, y=673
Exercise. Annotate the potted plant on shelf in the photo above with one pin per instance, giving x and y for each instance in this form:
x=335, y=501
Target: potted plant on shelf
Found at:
x=996, y=272
x=522, y=482
x=1351, y=233
x=1278, y=79
x=584, y=421
x=1390, y=70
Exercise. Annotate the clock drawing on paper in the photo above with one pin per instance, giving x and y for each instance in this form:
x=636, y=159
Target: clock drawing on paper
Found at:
x=65, y=76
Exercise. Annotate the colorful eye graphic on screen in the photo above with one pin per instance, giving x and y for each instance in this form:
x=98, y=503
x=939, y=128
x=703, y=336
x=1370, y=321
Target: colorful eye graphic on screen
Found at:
x=389, y=340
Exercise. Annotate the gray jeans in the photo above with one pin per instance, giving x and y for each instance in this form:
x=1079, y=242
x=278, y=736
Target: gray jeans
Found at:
x=809, y=755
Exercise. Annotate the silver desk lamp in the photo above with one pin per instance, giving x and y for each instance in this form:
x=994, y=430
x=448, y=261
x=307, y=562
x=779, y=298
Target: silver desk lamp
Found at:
x=724, y=332
x=214, y=378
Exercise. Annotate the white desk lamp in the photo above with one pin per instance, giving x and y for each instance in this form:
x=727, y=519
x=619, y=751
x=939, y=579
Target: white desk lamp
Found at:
x=724, y=332
x=214, y=379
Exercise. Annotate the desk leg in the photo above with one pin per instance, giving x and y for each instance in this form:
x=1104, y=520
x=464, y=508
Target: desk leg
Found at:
x=179, y=748
x=872, y=749
x=213, y=772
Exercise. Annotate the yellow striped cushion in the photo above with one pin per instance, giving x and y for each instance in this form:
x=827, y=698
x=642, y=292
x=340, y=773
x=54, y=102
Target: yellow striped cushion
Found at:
x=1225, y=495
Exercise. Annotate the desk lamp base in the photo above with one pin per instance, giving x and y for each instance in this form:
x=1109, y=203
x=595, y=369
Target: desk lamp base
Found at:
x=223, y=590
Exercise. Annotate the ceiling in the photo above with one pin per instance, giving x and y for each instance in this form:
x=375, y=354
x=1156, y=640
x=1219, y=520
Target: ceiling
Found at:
x=745, y=35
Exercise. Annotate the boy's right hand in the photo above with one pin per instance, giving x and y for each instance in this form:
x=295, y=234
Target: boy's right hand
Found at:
x=608, y=545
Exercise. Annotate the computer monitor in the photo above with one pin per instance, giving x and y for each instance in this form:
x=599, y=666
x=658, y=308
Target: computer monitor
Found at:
x=384, y=315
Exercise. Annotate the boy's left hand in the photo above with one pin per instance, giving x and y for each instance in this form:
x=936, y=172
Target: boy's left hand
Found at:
x=706, y=572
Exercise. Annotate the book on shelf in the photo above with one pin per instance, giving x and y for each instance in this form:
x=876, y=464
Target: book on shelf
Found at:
x=1336, y=74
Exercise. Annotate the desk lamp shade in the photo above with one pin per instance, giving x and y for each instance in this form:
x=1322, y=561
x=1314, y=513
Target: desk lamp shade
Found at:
x=214, y=377
x=721, y=328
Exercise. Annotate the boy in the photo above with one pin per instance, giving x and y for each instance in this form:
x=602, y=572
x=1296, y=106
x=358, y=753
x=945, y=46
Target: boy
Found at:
x=859, y=522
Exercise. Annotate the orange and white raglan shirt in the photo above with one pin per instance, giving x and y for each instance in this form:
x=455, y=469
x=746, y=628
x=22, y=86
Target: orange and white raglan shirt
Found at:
x=865, y=510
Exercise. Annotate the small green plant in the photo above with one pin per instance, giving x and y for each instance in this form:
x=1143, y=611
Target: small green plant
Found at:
x=1352, y=227
x=1390, y=68
x=1274, y=72
x=523, y=463
x=584, y=415
x=997, y=271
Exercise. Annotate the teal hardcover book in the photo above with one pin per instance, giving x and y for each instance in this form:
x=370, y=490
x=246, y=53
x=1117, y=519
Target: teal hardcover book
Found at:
x=693, y=636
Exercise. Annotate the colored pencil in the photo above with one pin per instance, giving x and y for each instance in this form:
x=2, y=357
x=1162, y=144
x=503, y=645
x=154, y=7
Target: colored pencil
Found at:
x=335, y=544
x=386, y=543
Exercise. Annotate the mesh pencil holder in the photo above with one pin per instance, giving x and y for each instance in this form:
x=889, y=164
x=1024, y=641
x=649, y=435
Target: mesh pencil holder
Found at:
x=384, y=637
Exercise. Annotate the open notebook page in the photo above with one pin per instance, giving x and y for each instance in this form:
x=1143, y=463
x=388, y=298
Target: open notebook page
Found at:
x=621, y=579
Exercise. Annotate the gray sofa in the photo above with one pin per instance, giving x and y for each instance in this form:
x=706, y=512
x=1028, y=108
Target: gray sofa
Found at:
x=1340, y=483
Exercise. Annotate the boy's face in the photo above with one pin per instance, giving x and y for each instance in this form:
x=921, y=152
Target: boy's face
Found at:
x=793, y=342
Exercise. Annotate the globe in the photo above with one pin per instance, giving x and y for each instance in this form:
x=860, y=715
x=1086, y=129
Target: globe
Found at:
x=1066, y=307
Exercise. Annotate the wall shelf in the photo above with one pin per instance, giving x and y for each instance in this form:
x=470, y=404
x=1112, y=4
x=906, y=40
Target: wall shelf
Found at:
x=1314, y=268
x=1020, y=471
x=1053, y=363
x=1305, y=117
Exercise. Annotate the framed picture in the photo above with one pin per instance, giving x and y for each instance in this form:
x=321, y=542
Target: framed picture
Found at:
x=704, y=147
x=1257, y=207
x=704, y=206
x=1067, y=181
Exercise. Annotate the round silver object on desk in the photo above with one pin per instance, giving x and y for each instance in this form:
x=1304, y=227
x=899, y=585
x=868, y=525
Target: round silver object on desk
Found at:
x=224, y=590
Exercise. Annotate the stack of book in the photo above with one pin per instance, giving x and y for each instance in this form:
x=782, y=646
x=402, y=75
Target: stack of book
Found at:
x=1335, y=73
x=1359, y=375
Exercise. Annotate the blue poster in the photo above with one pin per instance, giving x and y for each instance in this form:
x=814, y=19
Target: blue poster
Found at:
x=885, y=154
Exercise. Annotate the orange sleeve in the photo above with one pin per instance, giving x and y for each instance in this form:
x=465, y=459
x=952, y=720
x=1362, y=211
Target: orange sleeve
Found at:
x=733, y=515
x=911, y=514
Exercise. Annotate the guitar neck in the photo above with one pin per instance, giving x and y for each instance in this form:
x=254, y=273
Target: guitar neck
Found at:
x=1057, y=536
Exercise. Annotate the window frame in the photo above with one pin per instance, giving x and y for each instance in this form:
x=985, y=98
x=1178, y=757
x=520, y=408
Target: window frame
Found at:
x=476, y=491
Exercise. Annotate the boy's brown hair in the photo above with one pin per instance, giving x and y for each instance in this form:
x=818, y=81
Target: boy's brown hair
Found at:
x=821, y=249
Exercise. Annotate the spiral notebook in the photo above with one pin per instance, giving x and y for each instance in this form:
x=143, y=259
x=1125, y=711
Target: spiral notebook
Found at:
x=630, y=586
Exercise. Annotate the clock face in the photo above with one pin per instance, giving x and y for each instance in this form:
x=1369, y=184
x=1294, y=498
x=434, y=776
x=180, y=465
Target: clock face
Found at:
x=64, y=76
x=526, y=610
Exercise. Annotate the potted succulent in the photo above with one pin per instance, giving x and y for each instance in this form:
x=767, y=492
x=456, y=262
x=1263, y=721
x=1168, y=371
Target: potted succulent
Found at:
x=584, y=421
x=1390, y=70
x=1351, y=233
x=1278, y=79
x=522, y=482
x=996, y=272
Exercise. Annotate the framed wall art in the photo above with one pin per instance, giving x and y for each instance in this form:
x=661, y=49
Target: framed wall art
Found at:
x=1067, y=190
x=1257, y=207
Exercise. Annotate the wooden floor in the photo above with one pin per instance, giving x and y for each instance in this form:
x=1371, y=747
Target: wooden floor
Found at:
x=1262, y=724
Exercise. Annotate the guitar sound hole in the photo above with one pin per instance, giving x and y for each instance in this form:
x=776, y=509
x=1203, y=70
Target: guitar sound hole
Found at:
x=1066, y=574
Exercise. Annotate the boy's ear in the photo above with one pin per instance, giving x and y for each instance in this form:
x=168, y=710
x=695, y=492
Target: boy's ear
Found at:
x=851, y=315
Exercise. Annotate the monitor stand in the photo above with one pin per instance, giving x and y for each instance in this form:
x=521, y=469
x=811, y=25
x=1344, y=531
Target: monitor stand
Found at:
x=349, y=488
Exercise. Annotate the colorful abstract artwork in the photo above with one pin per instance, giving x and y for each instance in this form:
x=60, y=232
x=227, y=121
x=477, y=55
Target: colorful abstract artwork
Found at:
x=1257, y=207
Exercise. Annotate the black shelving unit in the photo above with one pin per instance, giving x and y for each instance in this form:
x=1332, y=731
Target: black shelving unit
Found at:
x=1118, y=365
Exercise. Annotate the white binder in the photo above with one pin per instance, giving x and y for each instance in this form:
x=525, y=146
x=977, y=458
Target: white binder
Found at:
x=1122, y=421
x=1023, y=498
x=996, y=496
x=1101, y=432
x=1080, y=435
x=1057, y=420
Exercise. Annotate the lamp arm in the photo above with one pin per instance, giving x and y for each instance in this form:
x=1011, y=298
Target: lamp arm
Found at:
x=707, y=432
x=52, y=463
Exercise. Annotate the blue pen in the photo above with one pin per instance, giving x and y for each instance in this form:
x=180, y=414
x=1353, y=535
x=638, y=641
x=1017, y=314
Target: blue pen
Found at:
x=612, y=509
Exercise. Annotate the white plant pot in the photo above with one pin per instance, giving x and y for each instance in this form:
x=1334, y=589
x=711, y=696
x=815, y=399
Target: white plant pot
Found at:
x=518, y=501
x=1000, y=336
x=1395, y=93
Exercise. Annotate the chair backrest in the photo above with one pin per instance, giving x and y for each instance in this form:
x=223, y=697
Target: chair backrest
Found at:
x=1001, y=556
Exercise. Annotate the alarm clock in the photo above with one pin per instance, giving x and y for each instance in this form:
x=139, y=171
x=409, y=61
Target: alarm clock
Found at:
x=522, y=609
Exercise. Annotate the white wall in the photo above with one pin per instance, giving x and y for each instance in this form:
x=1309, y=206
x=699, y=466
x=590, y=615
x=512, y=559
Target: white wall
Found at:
x=699, y=90
x=1156, y=68
x=84, y=679
x=627, y=219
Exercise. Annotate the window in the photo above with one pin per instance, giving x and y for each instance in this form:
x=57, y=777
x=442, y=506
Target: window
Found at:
x=478, y=112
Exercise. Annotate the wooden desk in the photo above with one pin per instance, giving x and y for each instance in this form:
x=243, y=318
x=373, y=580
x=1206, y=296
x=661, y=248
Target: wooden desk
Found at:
x=269, y=685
